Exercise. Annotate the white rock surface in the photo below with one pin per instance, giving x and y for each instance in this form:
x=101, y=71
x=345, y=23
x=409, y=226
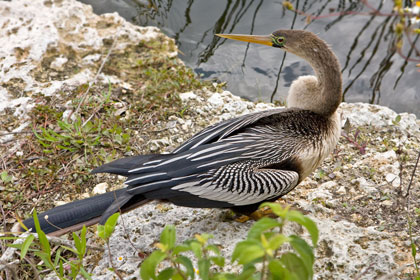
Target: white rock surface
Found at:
x=26, y=37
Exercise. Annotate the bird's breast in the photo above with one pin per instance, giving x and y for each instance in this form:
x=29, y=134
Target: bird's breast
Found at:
x=311, y=156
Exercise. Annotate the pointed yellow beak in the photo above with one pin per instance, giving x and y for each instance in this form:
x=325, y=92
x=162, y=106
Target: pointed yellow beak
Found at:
x=259, y=39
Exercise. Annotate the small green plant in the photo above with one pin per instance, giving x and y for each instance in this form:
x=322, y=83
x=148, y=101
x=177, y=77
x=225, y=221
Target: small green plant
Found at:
x=5, y=177
x=72, y=137
x=262, y=255
x=104, y=232
x=397, y=120
x=352, y=136
x=413, y=248
x=63, y=267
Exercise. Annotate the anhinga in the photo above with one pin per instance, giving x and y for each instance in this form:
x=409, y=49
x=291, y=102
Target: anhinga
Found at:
x=237, y=163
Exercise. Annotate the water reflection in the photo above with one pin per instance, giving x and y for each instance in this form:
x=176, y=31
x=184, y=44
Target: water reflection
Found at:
x=372, y=69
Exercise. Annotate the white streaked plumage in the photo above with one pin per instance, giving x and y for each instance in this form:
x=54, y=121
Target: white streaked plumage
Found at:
x=144, y=177
x=211, y=191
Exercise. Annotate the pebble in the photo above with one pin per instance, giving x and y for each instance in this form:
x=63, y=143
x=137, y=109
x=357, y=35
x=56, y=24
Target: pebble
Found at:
x=100, y=188
x=366, y=187
x=328, y=185
x=188, y=96
x=341, y=190
x=58, y=62
x=216, y=100
x=387, y=202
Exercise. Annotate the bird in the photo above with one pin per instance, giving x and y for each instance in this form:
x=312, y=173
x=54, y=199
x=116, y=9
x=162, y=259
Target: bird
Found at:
x=237, y=163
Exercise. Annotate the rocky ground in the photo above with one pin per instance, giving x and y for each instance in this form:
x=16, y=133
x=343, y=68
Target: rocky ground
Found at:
x=144, y=100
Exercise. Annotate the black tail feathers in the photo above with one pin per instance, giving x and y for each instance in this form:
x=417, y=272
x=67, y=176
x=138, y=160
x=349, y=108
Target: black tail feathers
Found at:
x=123, y=165
x=74, y=215
x=89, y=211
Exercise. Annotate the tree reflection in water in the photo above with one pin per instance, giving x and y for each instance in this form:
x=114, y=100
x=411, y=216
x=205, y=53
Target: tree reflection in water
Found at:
x=372, y=69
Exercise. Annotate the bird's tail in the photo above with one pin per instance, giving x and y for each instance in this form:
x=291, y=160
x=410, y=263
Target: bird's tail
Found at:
x=74, y=215
x=89, y=211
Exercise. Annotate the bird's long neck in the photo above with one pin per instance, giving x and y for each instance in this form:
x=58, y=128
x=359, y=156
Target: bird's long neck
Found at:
x=323, y=94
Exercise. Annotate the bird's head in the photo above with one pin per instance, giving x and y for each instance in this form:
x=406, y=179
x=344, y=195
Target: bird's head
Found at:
x=298, y=42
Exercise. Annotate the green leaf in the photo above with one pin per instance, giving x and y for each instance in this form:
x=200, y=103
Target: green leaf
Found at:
x=168, y=237
x=61, y=268
x=76, y=240
x=88, y=127
x=276, y=241
x=397, y=120
x=82, y=250
x=74, y=270
x=203, y=238
x=219, y=261
x=180, y=248
x=25, y=245
x=64, y=125
x=80, y=243
x=278, y=271
x=17, y=246
x=294, y=264
x=45, y=245
x=148, y=267
x=260, y=226
x=48, y=136
x=105, y=231
x=196, y=248
x=306, y=222
x=6, y=178
x=247, y=251
x=305, y=251
x=186, y=262
x=166, y=274
x=413, y=250
x=276, y=208
x=69, y=249
x=246, y=273
x=203, y=269
x=10, y=237
x=46, y=258
x=57, y=256
x=177, y=276
x=213, y=248
x=84, y=273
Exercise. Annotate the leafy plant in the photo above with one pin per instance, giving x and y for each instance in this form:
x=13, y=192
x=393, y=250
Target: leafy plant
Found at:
x=105, y=231
x=352, y=135
x=264, y=247
x=5, y=177
x=397, y=120
x=72, y=137
x=413, y=248
x=63, y=267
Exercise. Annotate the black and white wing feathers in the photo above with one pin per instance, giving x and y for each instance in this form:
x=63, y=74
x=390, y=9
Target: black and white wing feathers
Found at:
x=223, y=129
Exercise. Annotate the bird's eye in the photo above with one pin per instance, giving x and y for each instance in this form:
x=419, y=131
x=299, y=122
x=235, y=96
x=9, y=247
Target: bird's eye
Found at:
x=278, y=41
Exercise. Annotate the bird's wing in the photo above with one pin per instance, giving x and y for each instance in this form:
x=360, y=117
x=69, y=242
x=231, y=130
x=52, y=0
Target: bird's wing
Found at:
x=142, y=163
x=224, y=129
x=241, y=185
x=256, y=147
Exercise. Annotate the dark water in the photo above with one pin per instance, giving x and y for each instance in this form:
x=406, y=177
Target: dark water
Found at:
x=372, y=69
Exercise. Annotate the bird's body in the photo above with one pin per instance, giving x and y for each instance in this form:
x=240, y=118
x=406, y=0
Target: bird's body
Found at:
x=238, y=163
